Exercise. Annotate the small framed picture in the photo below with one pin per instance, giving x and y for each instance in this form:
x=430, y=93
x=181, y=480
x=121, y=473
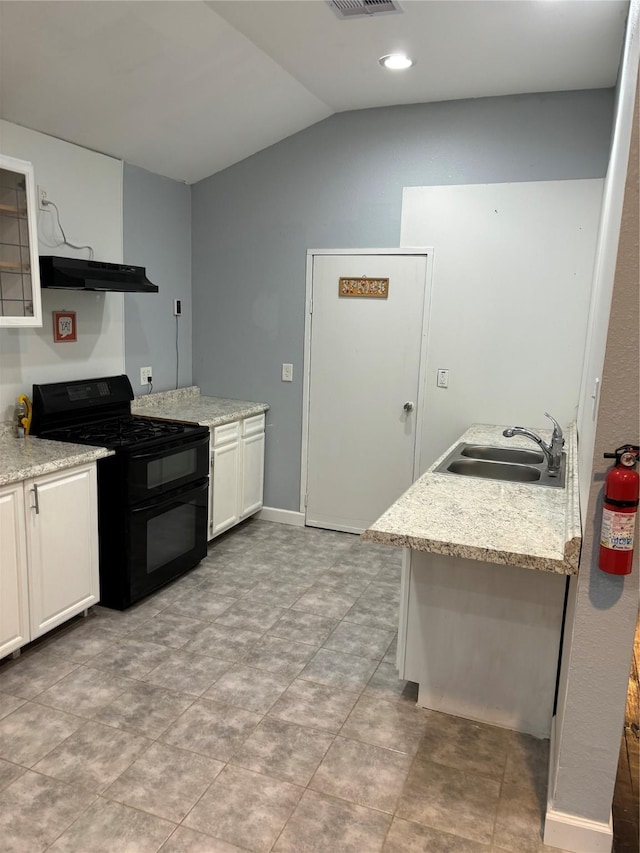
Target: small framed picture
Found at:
x=64, y=326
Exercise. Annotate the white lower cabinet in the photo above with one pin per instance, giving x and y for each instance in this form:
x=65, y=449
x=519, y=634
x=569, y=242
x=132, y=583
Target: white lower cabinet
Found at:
x=252, y=480
x=62, y=538
x=49, y=551
x=224, y=487
x=237, y=473
x=14, y=595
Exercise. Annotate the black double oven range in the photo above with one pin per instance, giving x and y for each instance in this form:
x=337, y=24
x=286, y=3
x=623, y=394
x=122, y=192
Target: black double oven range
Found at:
x=152, y=494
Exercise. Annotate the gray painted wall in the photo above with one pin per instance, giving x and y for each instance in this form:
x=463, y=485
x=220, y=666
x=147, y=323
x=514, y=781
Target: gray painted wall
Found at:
x=157, y=235
x=339, y=184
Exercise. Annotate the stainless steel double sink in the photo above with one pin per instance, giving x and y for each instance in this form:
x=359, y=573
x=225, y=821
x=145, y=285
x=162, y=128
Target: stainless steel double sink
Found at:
x=511, y=465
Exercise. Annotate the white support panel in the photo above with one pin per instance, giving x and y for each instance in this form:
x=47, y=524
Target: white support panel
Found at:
x=405, y=586
x=483, y=640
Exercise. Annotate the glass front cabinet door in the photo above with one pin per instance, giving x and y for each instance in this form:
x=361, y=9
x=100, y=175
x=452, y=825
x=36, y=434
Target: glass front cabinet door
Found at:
x=19, y=265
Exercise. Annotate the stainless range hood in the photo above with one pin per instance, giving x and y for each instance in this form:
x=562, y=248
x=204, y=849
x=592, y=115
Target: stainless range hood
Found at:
x=78, y=274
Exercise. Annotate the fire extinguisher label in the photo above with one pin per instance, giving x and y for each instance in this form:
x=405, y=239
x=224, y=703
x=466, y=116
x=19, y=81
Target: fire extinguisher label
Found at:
x=617, y=530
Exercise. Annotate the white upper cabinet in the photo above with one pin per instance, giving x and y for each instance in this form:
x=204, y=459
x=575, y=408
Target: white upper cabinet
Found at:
x=19, y=265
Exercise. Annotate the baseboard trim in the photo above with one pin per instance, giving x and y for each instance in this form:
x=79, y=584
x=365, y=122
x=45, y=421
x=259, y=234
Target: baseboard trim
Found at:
x=568, y=831
x=282, y=516
x=578, y=834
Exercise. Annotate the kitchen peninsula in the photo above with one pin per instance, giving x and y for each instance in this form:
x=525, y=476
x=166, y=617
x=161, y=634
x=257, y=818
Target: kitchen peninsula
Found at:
x=483, y=585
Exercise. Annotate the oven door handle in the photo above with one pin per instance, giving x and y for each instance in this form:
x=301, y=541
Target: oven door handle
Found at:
x=169, y=497
x=178, y=447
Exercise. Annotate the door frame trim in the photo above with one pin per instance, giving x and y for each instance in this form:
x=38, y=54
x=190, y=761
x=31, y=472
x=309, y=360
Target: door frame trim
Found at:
x=422, y=251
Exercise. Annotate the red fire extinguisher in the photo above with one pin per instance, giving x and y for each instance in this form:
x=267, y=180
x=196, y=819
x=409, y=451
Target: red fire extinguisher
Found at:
x=621, y=490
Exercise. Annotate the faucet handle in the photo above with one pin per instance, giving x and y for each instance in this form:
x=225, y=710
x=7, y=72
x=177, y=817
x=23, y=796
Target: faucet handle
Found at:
x=557, y=429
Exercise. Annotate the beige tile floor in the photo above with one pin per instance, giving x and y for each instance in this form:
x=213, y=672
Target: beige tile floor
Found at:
x=253, y=705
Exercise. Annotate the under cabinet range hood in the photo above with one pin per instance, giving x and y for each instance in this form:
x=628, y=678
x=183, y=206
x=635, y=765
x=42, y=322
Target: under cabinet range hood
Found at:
x=78, y=274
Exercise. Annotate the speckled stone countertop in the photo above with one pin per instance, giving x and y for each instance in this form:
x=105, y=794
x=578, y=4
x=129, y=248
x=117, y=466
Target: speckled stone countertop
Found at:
x=536, y=527
x=23, y=458
x=187, y=404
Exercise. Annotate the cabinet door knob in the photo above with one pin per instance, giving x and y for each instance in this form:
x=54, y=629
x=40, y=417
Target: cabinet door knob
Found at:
x=408, y=406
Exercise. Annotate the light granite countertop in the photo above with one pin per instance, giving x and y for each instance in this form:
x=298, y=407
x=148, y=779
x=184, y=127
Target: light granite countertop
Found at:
x=536, y=527
x=23, y=458
x=187, y=404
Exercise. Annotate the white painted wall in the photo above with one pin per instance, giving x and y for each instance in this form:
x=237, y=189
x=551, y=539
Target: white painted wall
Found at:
x=602, y=608
x=607, y=250
x=87, y=187
x=510, y=298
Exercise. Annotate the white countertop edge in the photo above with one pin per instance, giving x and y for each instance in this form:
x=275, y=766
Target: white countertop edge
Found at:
x=573, y=523
x=237, y=415
x=468, y=552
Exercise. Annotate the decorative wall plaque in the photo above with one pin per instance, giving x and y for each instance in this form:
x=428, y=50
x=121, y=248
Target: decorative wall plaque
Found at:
x=64, y=326
x=378, y=287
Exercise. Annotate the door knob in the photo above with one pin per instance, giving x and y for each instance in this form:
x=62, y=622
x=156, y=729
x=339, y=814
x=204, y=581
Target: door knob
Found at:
x=408, y=406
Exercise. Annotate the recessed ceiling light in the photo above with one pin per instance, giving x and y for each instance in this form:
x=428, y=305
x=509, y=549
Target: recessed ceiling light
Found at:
x=396, y=61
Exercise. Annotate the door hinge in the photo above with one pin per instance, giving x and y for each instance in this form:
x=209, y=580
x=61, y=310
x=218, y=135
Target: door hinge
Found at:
x=311, y=306
x=306, y=501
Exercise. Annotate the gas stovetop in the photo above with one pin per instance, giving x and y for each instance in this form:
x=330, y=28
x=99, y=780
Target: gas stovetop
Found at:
x=98, y=412
x=118, y=432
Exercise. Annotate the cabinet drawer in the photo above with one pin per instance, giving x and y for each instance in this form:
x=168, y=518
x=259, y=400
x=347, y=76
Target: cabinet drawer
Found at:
x=226, y=433
x=253, y=425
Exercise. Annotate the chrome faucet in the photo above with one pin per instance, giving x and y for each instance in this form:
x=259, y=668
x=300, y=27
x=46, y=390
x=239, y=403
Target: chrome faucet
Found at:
x=553, y=451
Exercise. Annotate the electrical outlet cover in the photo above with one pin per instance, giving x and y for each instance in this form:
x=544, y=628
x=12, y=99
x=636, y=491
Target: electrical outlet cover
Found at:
x=443, y=378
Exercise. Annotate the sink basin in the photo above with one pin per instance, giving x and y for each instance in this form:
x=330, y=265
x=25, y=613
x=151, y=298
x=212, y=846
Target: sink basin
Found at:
x=507, y=464
x=494, y=470
x=503, y=454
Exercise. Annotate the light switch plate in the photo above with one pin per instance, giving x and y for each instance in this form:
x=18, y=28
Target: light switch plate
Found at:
x=442, y=380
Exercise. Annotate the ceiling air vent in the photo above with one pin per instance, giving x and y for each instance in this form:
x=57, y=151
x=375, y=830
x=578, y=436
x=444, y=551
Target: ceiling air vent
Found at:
x=363, y=8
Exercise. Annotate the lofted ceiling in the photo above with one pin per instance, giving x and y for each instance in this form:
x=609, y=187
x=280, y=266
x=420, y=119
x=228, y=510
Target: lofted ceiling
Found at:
x=186, y=89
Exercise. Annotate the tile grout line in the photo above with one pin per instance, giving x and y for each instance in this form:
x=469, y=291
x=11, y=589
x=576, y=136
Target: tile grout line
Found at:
x=358, y=693
x=306, y=787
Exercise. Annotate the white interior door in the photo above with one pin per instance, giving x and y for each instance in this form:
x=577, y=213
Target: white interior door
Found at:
x=364, y=366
